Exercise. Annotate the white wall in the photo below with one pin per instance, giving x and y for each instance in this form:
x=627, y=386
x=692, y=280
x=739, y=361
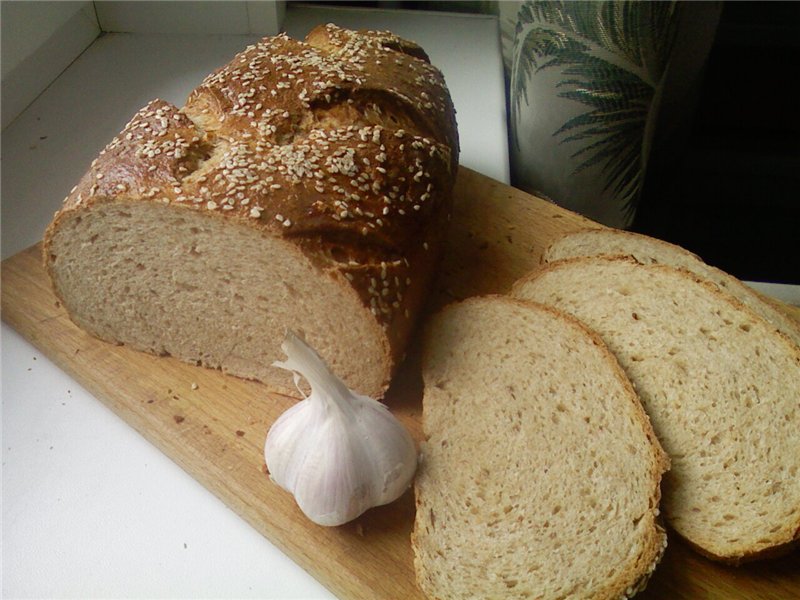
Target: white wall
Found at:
x=261, y=17
x=39, y=41
x=27, y=25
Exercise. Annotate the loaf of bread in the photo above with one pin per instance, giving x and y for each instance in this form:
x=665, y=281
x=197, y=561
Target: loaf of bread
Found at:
x=648, y=250
x=721, y=386
x=540, y=471
x=304, y=186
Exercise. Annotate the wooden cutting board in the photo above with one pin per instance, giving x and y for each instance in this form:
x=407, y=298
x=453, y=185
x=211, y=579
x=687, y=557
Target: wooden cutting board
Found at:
x=216, y=432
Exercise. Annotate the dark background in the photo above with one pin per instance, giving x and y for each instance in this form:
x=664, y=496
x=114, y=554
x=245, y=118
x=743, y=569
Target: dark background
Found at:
x=731, y=191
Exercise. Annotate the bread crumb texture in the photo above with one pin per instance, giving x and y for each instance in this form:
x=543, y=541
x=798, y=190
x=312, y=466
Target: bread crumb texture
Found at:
x=540, y=473
x=721, y=387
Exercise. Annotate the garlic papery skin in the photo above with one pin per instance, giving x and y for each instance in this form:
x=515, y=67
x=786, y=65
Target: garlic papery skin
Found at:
x=337, y=452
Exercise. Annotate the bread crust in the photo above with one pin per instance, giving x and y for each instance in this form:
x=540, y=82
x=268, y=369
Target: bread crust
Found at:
x=344, y=145
x=545, y=258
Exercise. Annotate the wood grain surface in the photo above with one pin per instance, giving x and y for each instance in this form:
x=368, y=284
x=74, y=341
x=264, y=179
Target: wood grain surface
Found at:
x=216, y=432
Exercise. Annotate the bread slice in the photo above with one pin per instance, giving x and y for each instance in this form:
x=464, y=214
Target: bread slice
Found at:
x=540, y=472
x=721, y=386
x=304, y=186
x=649, y=250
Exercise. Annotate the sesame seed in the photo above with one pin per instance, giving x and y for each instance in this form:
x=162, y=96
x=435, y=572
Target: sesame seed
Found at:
x=211, y=205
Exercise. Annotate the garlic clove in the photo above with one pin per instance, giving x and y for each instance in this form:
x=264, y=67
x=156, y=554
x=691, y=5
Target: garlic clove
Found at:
x=391, y=452
x=331, y=488
x=339, y=453
x=286, y=436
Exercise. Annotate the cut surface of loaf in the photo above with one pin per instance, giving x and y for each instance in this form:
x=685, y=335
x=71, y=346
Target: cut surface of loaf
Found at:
x=303, y=186
x=721, y=386
x=540, y=471
x=649, y=250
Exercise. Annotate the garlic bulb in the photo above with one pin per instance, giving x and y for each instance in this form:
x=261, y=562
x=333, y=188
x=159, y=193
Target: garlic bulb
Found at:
x=338, y=453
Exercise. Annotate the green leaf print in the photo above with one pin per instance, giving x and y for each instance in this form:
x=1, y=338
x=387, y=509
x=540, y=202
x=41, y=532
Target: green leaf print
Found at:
x=611, y=56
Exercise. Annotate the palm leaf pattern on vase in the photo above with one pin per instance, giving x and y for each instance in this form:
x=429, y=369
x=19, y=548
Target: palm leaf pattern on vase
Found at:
x=612, y=56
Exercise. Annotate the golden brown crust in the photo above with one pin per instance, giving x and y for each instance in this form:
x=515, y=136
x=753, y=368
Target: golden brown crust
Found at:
x=405, y=74
x=737, y=561
x=545, y=258
x=345, y=145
